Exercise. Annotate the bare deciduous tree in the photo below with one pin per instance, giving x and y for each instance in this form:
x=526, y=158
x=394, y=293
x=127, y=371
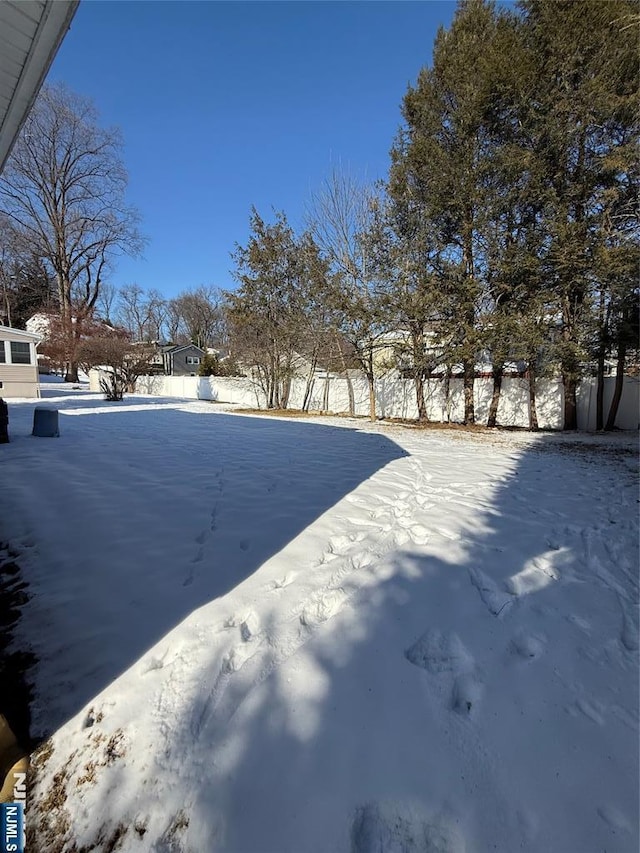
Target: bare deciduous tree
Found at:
x=64, y=191
x=141, y=312
x=198, y=316
x=340, y=218
x=105, y=303
x=122, y=361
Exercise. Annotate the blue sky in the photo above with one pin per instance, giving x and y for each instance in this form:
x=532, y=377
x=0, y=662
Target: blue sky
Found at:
x=225, y=105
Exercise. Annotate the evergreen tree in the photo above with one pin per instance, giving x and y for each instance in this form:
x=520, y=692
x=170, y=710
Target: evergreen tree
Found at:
x=209, y=365
x=408, y=265
x=449, y=151
x=583, y=122
x=267, y=313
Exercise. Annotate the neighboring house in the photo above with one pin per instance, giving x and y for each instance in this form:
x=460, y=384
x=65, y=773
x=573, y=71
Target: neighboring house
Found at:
x=182, y=360
x=393, y=351
x=40, y=324
x=18, y=363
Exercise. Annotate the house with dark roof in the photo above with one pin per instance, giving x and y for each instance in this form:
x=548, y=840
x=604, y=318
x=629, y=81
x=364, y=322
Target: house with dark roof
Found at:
x=181, y=360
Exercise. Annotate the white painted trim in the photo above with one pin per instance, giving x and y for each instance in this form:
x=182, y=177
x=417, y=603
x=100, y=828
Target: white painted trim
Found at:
x=30, y=336
x=55, y=20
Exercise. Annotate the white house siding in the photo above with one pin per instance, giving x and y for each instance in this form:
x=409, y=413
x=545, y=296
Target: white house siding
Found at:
x=18, y=380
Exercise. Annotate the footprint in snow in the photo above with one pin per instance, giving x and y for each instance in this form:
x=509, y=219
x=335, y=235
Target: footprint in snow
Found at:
x=629, y=634
x=591, y=709
x=153, y=664
x=583, y=624
x=495, y=600
x=340, y=545
x=527, y=646
x=438, y=651
x=400, y=538
x=536, y=574
x=284, y=581
x=248, y=623
x=448, y=534
x=398, y=828
x=444, y=652
x=614, y=817
x=236, y=658
x=466, y=695
x=420, y=534
x=322, y=607
x=363, y=559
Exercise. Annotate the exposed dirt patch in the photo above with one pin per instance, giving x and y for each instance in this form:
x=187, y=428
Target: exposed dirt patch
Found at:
x=49, y=831
x=41, y=755
x=409, y=423
x=283, y=413
x=105, y=843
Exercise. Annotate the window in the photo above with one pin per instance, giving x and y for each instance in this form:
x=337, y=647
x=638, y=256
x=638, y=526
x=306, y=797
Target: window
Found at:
x=193, y=359
x=20, y=353
x=3, y=359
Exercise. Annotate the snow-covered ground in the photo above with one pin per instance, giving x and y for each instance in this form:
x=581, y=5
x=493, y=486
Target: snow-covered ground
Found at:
x=262, y=635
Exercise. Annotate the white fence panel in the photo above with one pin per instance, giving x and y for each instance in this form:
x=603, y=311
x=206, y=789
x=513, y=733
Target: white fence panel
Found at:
x=396, y=397
x=628, y=416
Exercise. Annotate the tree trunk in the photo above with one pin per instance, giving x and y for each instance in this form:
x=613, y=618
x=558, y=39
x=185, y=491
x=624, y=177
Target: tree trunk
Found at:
x=570, y=402
x=533, y=413
x=600, y=392
x=272, y=385
x=602, y=352
x=498, y=373
x=352, y=399
x=617, y=391
x=372, y=397
x=418, y=378
x=307, y=393
x=469, y=408
x=447, y=393
x=371, y=379
x=310, y=382
x=71, y=372
x=418, y=355
x=285, y=386
x=286, y=391
x=569, y=368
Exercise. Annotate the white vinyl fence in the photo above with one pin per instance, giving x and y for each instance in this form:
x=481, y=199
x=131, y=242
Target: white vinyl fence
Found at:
x=396, y=398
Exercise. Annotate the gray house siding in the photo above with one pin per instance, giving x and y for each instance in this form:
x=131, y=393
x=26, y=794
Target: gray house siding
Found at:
x=177, y=361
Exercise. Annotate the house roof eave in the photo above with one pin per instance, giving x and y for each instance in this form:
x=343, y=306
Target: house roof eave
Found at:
x=31, y=336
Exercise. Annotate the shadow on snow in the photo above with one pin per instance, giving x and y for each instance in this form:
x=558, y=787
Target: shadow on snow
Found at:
x=182, y=510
